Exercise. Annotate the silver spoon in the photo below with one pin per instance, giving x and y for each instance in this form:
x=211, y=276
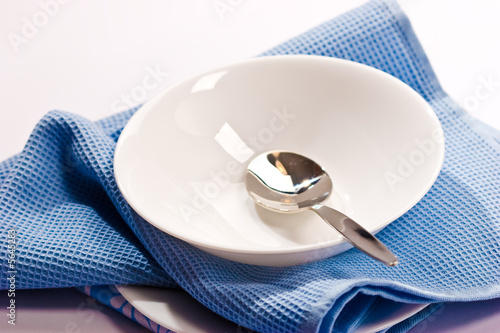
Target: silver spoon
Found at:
x=286, y=182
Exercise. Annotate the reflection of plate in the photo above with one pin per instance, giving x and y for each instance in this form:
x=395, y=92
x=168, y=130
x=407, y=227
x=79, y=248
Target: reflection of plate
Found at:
x=181, y=158
x=175, y=310
x=178, y=311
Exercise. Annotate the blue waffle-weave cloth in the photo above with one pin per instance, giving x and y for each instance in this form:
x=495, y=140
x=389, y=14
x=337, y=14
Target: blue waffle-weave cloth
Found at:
x=74, y=228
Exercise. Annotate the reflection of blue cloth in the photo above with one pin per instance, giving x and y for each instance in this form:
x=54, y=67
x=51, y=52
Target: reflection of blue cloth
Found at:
x=74, y=228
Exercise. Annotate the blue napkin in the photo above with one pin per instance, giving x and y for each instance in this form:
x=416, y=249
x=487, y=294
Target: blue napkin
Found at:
x=74, y=228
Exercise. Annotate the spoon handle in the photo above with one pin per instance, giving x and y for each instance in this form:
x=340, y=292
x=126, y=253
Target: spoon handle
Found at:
x=356, y=235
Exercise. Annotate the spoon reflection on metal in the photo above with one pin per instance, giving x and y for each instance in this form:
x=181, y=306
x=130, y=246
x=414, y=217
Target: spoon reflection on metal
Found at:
x=286, y=182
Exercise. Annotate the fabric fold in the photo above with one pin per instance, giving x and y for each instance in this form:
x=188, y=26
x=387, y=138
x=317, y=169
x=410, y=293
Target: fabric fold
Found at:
x=76, y=229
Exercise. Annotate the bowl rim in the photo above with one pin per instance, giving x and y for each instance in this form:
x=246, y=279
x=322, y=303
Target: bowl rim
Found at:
x=440, y=149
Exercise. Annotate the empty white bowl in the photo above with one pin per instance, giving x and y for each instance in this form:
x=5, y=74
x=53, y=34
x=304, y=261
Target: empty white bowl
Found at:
x=180, y=160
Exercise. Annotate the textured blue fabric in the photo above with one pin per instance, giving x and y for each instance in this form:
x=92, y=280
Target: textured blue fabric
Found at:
x=59, y=195
x=75, y=228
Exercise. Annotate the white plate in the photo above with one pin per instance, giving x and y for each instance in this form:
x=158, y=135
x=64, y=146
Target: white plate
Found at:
x=179, y=312
x=181, y=158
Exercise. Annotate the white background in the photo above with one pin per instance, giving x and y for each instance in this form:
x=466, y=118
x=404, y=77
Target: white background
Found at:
x=91, y=53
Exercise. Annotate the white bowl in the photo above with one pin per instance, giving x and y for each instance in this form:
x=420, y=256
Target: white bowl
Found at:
x=180, y=160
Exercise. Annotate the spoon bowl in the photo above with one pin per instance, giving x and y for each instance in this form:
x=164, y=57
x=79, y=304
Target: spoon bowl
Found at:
x=287, y=182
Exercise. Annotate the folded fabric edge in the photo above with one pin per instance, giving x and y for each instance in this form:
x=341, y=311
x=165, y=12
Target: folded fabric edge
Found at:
x=323, y=315
x=420, y=318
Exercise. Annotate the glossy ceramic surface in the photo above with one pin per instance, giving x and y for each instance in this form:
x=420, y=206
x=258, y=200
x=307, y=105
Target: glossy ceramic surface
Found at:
x=180, y=162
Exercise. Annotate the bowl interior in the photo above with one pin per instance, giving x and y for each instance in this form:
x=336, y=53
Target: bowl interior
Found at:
x=181, y=159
